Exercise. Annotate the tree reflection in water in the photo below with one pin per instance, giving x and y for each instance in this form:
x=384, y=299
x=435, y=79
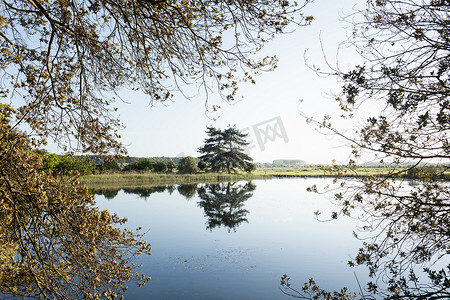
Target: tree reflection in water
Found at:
x=223, y=203
x=107, y=193
x=187, y=190
x=74, y=252
x=143, y=192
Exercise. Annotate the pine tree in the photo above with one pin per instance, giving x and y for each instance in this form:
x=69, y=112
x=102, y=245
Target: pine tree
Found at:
x=223, y=150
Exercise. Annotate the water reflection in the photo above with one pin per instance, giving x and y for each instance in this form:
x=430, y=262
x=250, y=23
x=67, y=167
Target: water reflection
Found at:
x=187, y=190
x=106, y=192
x=67, y=251
x=255, y=232
x=223, y=203
x=404, y=226
x=170, y=189
x=142, y=192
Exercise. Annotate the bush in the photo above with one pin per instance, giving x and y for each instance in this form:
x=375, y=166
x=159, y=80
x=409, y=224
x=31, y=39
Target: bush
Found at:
x=171, y=165
x=49, y=162
x=159, y=167
x=108, y=166
x=71, y=164
x=424, y=173
x=146, y=165
x=187, y=165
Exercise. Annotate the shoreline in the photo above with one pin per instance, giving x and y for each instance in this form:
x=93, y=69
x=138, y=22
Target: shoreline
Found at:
x=154, y=179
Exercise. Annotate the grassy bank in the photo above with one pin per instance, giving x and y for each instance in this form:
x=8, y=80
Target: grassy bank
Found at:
x=317, y=171
x=141, y=179
x=153, y=179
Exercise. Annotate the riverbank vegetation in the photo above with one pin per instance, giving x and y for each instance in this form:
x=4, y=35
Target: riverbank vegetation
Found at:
x=154, y=178
x=127, y=179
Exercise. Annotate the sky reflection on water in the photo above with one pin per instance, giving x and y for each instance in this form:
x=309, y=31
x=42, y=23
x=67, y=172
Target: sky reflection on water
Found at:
x=192, y=260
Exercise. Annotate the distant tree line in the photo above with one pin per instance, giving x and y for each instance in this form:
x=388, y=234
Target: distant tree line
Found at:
x=85, y=165
x=66, y=164
x=223, y=151
x=146, y=165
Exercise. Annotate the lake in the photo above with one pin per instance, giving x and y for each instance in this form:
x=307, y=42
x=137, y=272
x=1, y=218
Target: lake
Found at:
x=236, y=240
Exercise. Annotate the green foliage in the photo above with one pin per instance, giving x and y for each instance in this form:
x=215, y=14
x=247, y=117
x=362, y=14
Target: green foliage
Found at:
x=143, y=165
x=187, y=165
x=111, y=165
x=163, y=159
x=50, y=162
x=223, y=150
x=250, y=167
x=171, y=166
x=159, y=167
x=107, y=166
x=63, y=57
x=427, y=172
x=69, y=164
x=54, y=242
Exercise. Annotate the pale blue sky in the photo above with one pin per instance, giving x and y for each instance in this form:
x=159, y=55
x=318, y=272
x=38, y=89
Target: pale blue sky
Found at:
x=178, y=127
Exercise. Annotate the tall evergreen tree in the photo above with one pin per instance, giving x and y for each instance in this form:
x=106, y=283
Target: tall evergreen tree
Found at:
x=223, y=150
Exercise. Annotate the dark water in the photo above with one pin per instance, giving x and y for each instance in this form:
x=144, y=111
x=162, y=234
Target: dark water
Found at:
x=235, y=240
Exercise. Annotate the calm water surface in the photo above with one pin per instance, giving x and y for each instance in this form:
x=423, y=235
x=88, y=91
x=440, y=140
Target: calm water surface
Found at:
x=235, y=240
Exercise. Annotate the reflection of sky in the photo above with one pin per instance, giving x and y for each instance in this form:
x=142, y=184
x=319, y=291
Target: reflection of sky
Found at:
x=281, y=236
